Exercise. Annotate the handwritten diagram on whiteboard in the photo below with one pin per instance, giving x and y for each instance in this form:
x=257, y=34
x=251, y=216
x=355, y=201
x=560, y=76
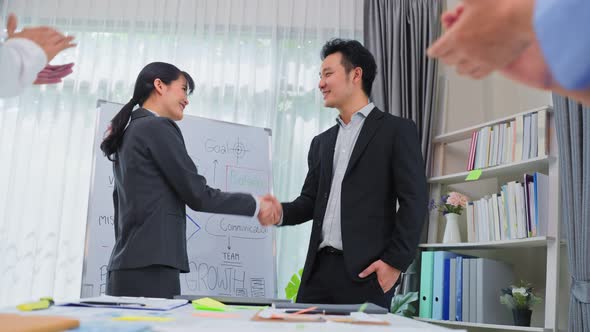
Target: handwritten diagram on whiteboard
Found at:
x=228, y=255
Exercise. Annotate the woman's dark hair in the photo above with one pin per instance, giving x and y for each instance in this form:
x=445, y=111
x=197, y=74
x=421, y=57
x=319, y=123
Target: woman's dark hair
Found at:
x=144, y=85
x=354, y=54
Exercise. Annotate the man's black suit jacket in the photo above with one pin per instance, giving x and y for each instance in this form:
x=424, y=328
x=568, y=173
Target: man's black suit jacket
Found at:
x=155, y=179
x=386, y=166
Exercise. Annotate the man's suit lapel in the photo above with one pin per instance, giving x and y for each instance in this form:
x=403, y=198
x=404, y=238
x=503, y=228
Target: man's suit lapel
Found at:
x=329, y=154
x=369, y=129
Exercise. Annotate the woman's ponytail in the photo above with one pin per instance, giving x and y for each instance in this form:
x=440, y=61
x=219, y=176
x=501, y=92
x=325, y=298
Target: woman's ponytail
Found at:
x=115, y=132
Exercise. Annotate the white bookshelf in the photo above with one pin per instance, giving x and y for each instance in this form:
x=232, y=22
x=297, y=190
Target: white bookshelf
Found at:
x=503, y=250
x=465, y=133
x=539, y=164
x=493, y=327
x=531, y=242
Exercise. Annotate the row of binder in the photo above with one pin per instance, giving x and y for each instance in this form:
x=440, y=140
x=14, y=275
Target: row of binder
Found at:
x=463, y=288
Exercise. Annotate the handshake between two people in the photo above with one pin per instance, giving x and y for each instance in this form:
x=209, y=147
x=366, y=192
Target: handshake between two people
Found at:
x=271, y=210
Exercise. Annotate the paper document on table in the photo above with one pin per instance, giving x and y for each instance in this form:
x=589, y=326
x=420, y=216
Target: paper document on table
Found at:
x=359, y=318
x=329, y=309
x=269, y=314
x=122, y=302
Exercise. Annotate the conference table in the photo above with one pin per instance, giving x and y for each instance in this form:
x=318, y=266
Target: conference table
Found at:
x=186, y=318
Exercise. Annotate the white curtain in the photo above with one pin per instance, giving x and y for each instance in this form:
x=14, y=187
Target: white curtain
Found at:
x=255, y=62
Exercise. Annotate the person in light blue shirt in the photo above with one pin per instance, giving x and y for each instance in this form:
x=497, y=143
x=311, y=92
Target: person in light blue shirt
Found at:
x=561, y=27
x=543, y=44
x=535, y=42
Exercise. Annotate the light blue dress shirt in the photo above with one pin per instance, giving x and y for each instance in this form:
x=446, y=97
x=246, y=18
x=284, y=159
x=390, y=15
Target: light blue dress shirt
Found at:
x=562, y=28
x=345, y=142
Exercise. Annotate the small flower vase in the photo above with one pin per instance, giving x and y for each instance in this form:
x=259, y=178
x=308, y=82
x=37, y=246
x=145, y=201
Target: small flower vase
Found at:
x=522, y=317
x=452, y=234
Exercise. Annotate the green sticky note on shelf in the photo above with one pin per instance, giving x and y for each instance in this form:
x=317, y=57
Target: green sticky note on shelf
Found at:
x=474, y=175
x=209, y=304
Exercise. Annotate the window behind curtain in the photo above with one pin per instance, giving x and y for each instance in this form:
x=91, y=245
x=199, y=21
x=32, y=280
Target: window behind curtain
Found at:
x=254, y=62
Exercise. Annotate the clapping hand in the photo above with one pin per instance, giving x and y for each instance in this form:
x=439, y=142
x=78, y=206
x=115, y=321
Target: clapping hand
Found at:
x=53, y=73
x=51, y=41
x=484, y=36
x=529, y=67
x=270, y=212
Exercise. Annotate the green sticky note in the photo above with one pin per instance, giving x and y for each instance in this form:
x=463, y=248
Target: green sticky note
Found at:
x=474, y=175
x=208, y=303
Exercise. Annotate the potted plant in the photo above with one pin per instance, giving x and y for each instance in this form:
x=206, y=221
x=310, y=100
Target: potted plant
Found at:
x=451, y=206
x=401, y=304
x=292, y=287
x=520, y=299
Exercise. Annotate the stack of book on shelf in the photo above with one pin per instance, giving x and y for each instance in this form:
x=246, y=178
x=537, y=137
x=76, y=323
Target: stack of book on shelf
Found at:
x=520, y=139
x=455, y=287
x=518, y=211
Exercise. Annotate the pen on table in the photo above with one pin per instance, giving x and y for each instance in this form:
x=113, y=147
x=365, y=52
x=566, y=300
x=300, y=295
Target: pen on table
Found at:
x=320, y=312
x=120, y=304
x=302, y=311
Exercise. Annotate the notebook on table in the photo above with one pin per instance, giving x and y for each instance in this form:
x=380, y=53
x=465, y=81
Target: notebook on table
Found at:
x=124, y=302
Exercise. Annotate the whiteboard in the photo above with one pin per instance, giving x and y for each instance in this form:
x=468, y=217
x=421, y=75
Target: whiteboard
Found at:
x=228, y=255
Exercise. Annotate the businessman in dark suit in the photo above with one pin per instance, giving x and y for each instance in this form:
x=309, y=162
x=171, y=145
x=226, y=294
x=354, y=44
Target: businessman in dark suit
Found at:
x=358, y=170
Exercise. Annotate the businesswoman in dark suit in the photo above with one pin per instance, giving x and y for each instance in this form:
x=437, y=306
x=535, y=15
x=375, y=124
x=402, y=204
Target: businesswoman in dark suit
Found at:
x=154, y=180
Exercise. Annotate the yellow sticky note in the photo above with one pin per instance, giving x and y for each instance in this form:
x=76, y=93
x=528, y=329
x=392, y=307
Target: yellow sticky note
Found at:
x=473, y=175
x=38, y=305
x=208, y=303
x=143, y=319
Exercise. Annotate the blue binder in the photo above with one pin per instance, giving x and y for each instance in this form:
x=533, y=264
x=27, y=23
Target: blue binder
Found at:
x=459, y=290
x=438, y=283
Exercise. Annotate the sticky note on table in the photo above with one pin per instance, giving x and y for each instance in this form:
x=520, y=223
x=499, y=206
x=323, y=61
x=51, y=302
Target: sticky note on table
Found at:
x=473, y=175
x=208, y=303
x=38, y=305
